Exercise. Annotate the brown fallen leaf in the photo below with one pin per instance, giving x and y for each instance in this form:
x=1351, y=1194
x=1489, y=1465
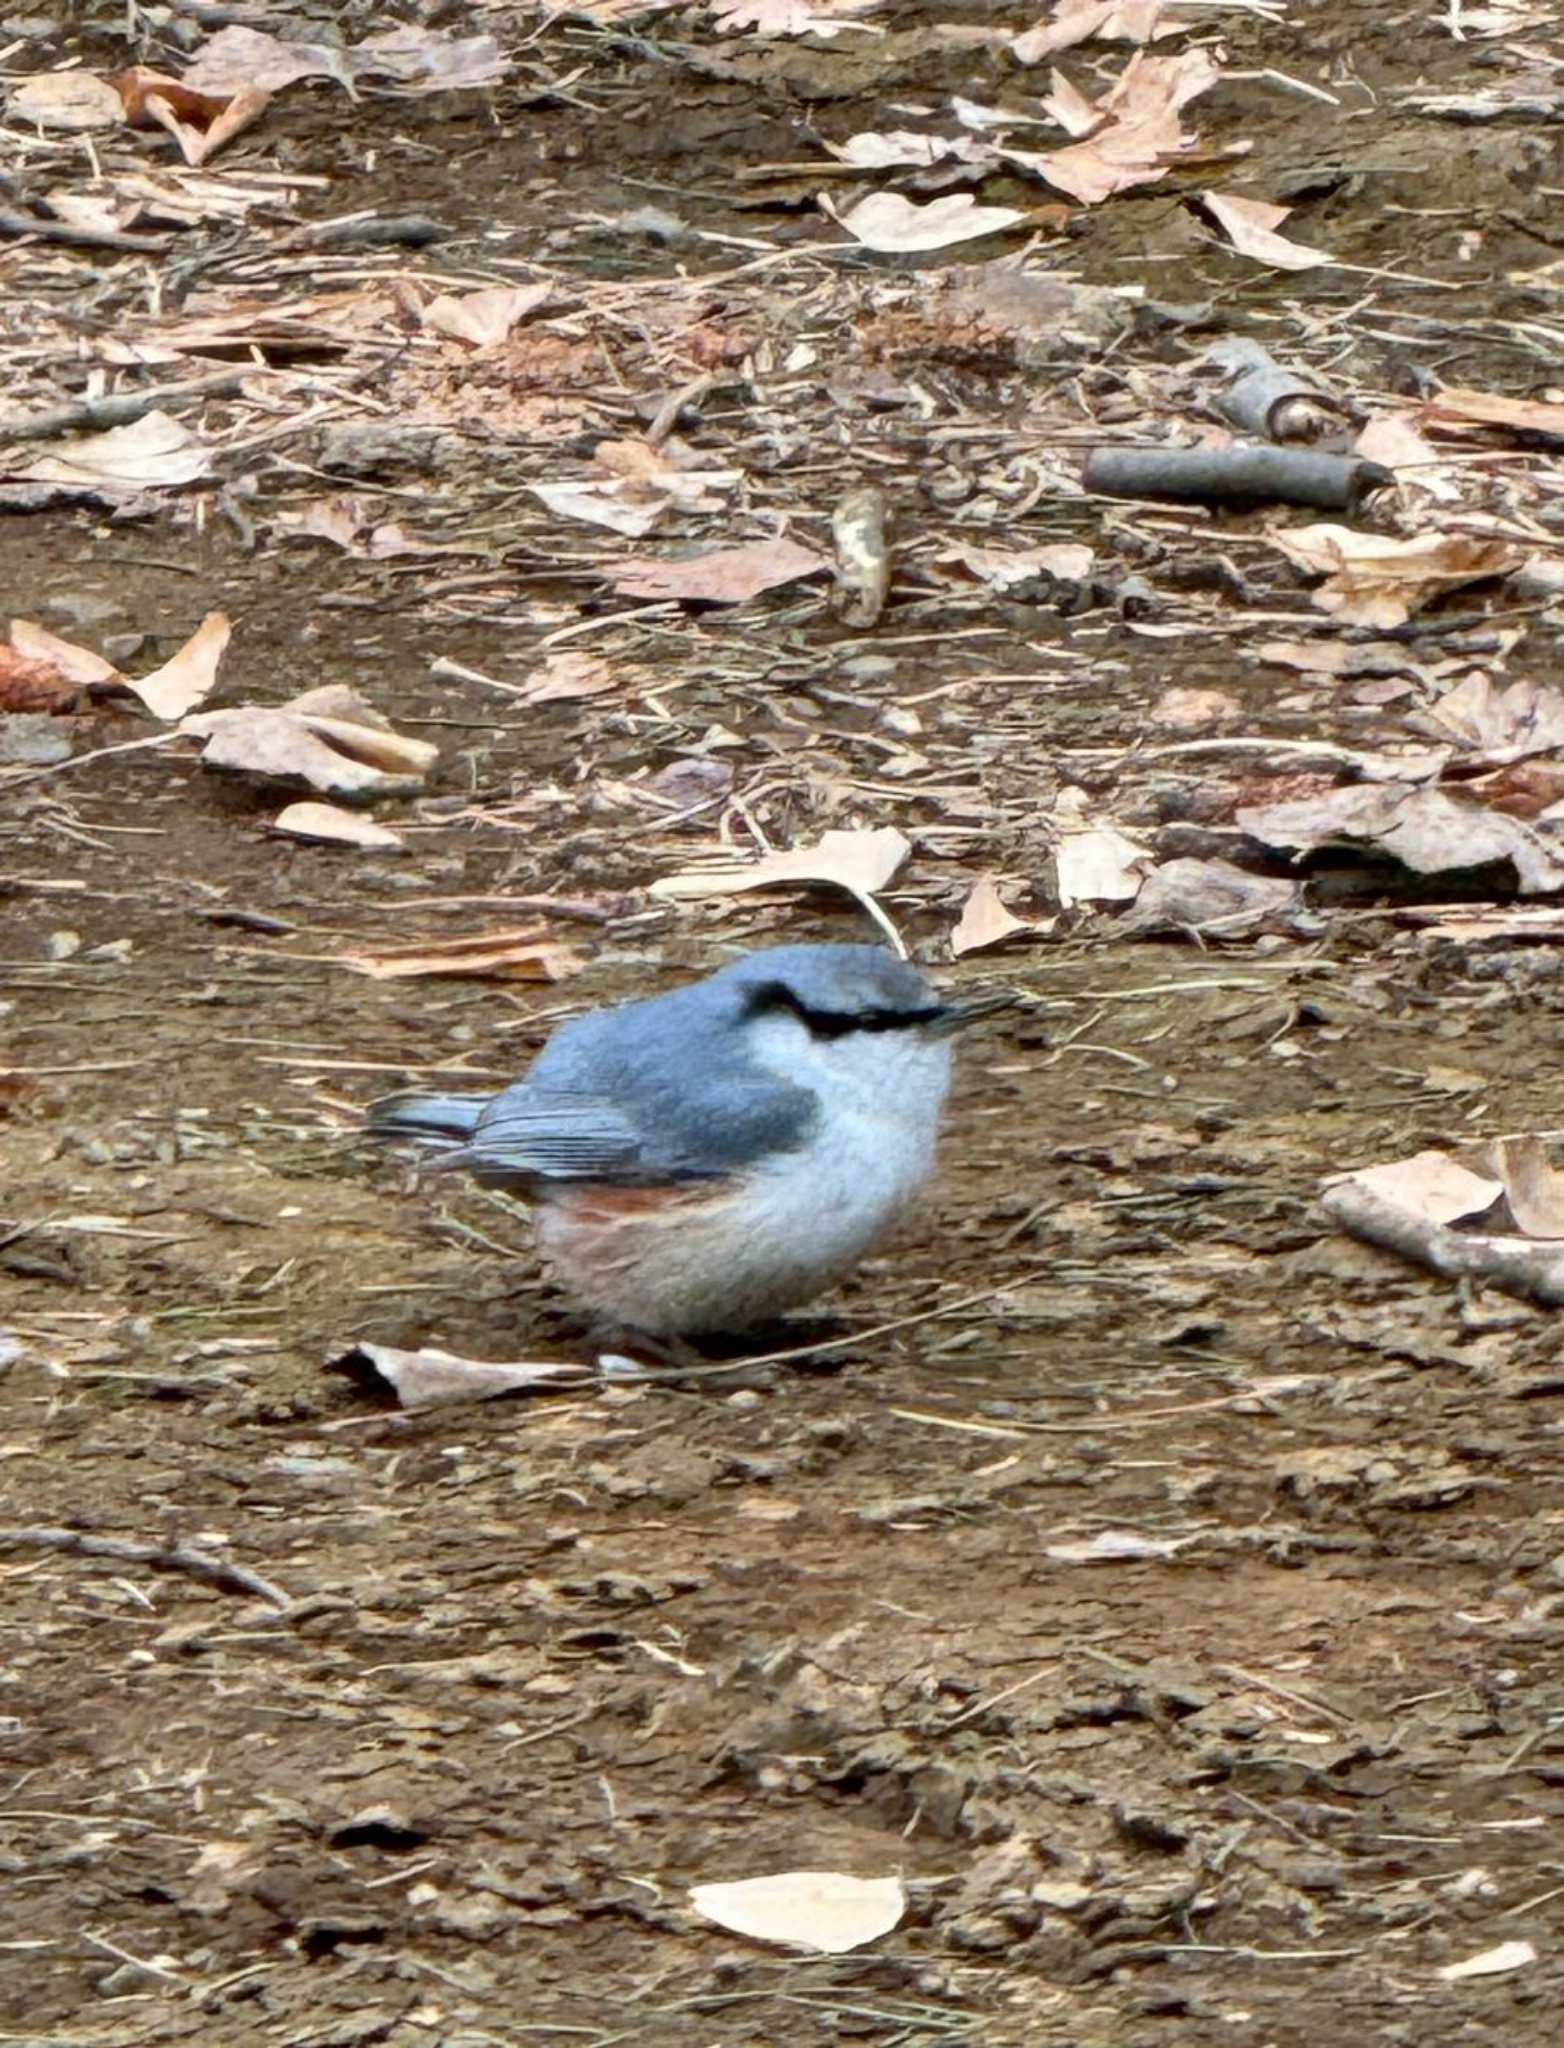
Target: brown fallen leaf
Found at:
x=1251, y=224
x=726, y=576
x=153, y=453
x=29, y=683
x=1425, y=829
x=1431, y=1185
x=1184, y=709
x=187, y=678
x=1132, y=136
x=897, y=226
x=1064, y=562
x=526, y=954
x=328, y=738
x=1101, y=21
x=330, y=825
x=68, y=102
x=1497, y=725
x=182, y=683
x=199, y=122
x=238, y=57
x=483, y=318
x=985, y=922
x=1533, y=1186
x=1457, y=407
x=435, y=1379
x=1216, y=900
x=861, y=862
x=1373, y=580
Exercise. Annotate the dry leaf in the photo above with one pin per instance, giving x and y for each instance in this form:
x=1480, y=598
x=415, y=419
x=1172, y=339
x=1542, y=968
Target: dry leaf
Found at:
x=68, y=102
x=199, y=122
x=1103, y=21
x=1064, y=561
x=332, y=826
x=1116, y=1546
x=1100, y=865
x=1183, y=709
x=32, y=683
x=873, y=151
x=726, y=576
x=152, y=453
x=1250, y=225
x=1393, y=441
x=888, y=222
x=484, y=317
x=434, y=1379
x=1218, y=901
x=1132, y=136
x=861, y=862
x=825, y=18
x=188, y=677
x=1533, y=1186
x=237, y=58
x=823, y=1910
x=1456, y=407
x=1492, y=1962
x=431, y=59
x=1426, y=830
x=1498, y=725
x=328, y=738
x=527, y=954
x=77, y=664
x=985, y=922
x=1373, y=580
x=1430, y=1185
x=621, y=507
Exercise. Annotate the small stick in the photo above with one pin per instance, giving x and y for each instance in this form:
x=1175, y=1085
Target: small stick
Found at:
x=163, y=1557
x=119, y=409
x=15, y=223
x=1534, y=1273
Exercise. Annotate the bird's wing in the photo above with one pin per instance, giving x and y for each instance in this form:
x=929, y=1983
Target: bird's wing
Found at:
x=551, y=1134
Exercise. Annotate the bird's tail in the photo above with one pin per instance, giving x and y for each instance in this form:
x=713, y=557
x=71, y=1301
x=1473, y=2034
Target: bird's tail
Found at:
x=432, y=1119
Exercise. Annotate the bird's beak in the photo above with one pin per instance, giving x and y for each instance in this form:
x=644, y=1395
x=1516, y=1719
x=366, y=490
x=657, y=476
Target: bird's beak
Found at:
x=961, y=1011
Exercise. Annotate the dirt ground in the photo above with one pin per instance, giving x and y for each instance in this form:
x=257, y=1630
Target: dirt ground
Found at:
x=547, y=1663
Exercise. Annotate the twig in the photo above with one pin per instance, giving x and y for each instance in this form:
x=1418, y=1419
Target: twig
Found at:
x=1533, y=1272
x=163, y=1557
x=14, y=223
x=119, y=409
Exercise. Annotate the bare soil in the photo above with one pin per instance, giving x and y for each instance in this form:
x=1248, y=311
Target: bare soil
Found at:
x=547, y=1663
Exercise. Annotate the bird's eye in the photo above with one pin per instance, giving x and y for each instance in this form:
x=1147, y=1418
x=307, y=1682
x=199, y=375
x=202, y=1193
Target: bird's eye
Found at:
x=831, y=1024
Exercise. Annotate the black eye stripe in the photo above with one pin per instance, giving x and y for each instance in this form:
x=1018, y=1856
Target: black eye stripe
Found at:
x=776, y=995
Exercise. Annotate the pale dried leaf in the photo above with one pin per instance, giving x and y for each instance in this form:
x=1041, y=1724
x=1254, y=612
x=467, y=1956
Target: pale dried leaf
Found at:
x=861, y=862
x=1393, y=441
x=1426, y=830
x=310, y=740
x=1065, y=561
x=1218, y=901
x=1116, y=1546
x=76, y=664
x=1100, y=865
x=333, y=826
x=152, y=453
x=1522, y=719
x=431, y=59
x=1081, y=21
x=434, y=1379
x=825, y=18
x=985, y=922
x=483, y=317
x=726, y=576
x=888, y=222
x=68, y=102
x=1251, y=224
x=622, y=507
x=1375, y=580
x=1533, y=1186
x=527, y=954
x=1454, y=406
x=186, y=679
x=1184, y=709
x=1132, y=136
x=1431, y=1185
x=821, y=1910
x=880, y=152
x=238, y=57
x=1492, y=1962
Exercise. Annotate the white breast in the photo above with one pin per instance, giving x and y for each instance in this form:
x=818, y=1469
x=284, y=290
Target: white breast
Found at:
x=793, y=1225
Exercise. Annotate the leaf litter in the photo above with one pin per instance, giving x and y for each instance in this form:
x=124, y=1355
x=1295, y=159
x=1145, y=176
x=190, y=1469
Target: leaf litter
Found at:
x=1127, y=1173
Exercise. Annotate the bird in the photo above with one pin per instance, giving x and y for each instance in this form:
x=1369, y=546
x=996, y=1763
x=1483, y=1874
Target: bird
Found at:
x=702, y=1161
